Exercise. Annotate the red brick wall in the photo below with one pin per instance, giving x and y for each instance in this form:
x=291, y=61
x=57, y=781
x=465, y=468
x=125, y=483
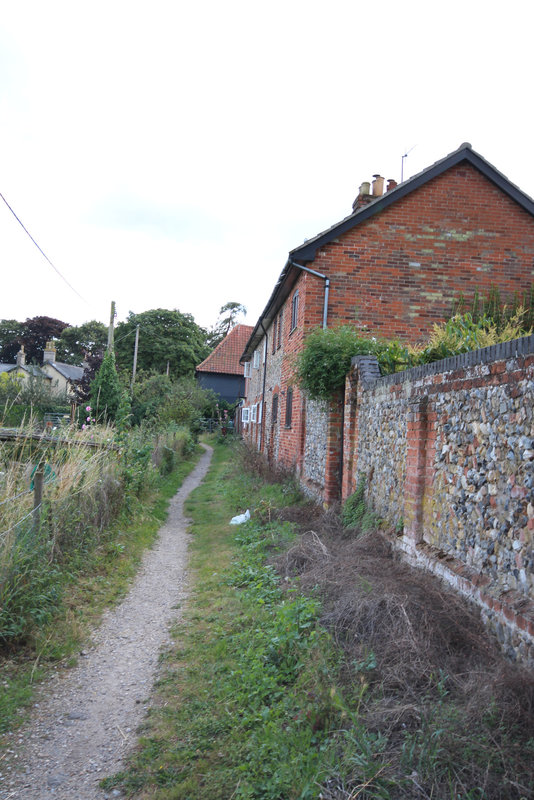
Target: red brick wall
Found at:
x=291, y=438
x=398, y=272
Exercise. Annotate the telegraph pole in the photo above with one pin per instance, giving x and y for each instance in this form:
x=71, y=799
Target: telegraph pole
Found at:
x=110, y=329
x=135, y=355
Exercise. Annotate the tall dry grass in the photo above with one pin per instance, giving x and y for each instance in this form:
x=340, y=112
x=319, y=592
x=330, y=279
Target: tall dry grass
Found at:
x=82, y=494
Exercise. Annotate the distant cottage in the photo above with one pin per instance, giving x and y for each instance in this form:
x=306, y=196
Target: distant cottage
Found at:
x=58, y=376
x=393, y=267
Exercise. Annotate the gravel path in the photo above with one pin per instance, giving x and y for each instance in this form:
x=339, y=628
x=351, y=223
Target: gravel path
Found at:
x=84, y=721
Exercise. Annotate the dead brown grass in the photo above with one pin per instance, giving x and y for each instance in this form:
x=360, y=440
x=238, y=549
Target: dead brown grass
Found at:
x=428, y=658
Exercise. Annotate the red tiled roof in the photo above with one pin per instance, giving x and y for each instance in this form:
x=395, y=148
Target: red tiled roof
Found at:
x=225, y=357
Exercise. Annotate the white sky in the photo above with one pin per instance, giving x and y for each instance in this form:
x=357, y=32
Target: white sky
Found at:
x=170, y=154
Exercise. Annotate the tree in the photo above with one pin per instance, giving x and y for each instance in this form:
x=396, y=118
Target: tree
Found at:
x=78, y=341
x=161, y=400
x=106, y=389
x=10, y=339
x=82, y=388
x=34, y=333
x=37, y=331
x=228, y=317
x=165, y=337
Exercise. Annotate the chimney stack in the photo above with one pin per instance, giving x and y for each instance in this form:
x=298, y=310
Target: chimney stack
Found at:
x=49, y=353
x=378, y=186
x=364, y=196
x=21, y=357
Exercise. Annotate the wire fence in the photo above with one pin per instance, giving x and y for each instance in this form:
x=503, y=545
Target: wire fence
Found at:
x=34, y=510
x=37, y=491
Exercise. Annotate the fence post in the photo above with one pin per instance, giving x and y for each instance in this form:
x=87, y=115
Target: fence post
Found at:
x=38, y=480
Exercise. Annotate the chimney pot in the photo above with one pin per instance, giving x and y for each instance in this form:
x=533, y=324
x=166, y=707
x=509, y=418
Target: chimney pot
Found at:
x=378, y=185
x=364, y=196
x=391, y=184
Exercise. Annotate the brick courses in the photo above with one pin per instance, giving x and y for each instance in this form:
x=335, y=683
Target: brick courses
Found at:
x=394, y=271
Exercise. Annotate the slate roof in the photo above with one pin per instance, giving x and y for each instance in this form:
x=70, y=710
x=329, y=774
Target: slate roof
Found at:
x=225, y=357
x=305, y=253
x=32, y=369
x=70, y=372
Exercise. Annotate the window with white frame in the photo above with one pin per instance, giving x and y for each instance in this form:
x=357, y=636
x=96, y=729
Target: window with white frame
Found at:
x=256, y=360
x=246, y=369
x=245, y=414
x=260, y=409
x=254, y=413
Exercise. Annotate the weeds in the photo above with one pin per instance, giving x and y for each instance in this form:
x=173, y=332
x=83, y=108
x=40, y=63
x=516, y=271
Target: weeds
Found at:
x=81, y=555
x=355, y=514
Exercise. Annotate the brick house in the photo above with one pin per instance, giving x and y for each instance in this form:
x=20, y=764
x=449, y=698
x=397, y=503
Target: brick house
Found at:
x=393, y=267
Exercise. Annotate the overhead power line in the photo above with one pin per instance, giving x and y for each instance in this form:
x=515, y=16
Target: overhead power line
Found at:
x=25, y=229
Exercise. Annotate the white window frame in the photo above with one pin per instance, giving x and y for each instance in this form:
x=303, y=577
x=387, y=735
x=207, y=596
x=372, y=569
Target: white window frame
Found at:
x=259, y=412
x=256, y=361
x=245, y=414
x=246, y=369
x=254, y=413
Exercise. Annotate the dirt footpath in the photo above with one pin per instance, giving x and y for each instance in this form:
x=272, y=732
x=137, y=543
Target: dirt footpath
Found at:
x=84, y=721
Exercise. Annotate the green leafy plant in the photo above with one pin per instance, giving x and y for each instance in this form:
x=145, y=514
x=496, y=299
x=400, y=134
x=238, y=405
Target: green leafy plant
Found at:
x=498, y=311
x=106, y=390
x=355, y=513
x=464, y=332
x=325, y=360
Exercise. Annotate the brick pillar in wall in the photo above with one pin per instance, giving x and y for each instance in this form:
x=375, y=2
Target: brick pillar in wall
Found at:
x=350, y=434
x=334, y=438
x=416, y=469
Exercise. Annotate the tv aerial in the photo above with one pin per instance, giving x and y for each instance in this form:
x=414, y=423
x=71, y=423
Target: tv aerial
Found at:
x=406, y=154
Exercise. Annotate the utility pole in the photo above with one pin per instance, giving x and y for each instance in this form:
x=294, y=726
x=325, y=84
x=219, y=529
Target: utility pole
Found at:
x=110, y=329
x=135, y=355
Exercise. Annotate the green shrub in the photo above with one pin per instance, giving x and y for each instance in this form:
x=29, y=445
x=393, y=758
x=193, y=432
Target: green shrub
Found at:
x=325, y=360
x=464, y=332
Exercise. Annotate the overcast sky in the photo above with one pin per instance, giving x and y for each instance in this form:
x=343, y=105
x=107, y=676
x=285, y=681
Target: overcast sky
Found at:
x=170, y=154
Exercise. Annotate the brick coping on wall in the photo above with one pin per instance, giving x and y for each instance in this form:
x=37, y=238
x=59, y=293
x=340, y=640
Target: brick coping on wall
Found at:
x=370, y=375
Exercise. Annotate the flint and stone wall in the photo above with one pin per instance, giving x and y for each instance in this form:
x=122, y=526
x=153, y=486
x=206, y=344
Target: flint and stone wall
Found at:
x=448, y=454
x=315, y=448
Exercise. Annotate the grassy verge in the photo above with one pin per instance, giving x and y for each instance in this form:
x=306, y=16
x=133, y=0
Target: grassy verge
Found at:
x=397, y=694
x=247, y=700
x=106, y=577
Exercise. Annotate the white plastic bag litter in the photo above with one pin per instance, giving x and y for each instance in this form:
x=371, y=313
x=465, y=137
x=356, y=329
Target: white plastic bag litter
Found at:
x=240, y=518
